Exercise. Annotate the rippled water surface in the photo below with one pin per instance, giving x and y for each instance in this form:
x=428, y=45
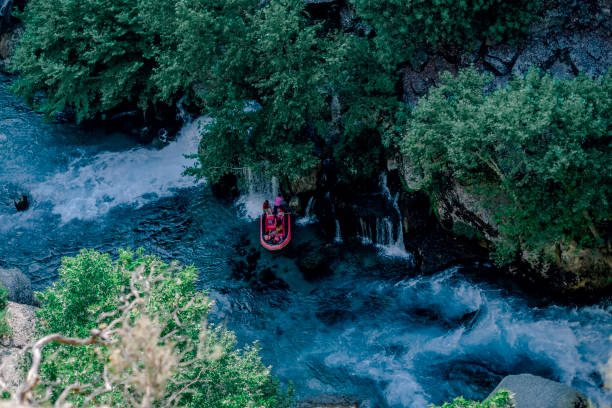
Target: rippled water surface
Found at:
x=372, y=328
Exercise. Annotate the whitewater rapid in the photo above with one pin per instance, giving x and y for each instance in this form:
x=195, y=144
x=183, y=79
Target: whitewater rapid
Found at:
x=92, y=186
x=372, y=328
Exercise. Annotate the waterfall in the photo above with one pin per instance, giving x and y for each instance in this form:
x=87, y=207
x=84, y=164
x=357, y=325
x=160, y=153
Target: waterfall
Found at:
x=309, y=217
x=388, y=237
x=255, y=188
x=391, y=246
x=338, y=238
x=92, y=186
x=365, y=233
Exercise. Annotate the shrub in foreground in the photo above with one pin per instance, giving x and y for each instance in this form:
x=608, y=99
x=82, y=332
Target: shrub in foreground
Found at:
x=501, y=399
x=161, y=348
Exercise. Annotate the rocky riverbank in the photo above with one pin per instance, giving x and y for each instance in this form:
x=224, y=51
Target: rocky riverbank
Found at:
x=22, y=320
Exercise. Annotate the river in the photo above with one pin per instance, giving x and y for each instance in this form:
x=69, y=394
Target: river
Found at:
x=372, y=328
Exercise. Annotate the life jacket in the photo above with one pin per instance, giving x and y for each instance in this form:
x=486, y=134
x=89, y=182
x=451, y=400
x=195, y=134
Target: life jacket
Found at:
x=270, y=223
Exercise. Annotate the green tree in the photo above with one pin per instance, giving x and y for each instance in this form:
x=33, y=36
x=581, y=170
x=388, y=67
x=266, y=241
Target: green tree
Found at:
x=501, y=399
x=539, y=149
x=89, y=55
x=92, y=286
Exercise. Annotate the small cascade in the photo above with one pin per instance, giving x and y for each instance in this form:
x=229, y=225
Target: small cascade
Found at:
x=384, y=231
x=365, y=232
x=256, y=188
x=392, y=247
x=338, y=238
x=309, y=216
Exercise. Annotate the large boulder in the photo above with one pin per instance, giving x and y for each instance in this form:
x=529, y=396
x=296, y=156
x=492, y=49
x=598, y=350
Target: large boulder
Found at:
x=532, y=391
x=329, y=401
x=18, y=285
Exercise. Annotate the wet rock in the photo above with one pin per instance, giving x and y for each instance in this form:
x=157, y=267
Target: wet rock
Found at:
x=533, y=391
x=418, y=85
x=295, y=204
x=416, y=212
x=313, y=266
x=419, y=59
x=8, y=41
x=21, y=203
x=347, y=17
x=561, y=70
x=537, y=55
x=500, y=58
x=18, y=285
x=591, y=53
x=305, y=183
x=226, y=187
x=329, y=401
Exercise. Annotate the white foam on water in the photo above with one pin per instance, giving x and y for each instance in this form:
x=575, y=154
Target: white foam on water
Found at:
x=391, y=247
x=338, y=237
x=309, y=217
x=93, y=186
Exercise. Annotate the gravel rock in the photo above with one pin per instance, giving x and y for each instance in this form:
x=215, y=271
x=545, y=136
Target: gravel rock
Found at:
x=22, y=319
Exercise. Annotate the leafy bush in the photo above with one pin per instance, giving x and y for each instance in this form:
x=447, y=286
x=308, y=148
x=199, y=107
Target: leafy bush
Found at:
x=539, y=149
x=5, y=328
x=3, y=297
x=501, y=399
x=92, y=286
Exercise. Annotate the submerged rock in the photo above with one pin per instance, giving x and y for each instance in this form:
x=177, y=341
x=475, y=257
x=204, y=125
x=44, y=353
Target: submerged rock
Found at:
x=533, y=391
x=313, y=266
x=18, y=285
x=21, y=203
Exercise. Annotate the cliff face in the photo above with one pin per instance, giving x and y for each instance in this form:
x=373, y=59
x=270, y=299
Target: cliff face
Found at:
x=571, y=38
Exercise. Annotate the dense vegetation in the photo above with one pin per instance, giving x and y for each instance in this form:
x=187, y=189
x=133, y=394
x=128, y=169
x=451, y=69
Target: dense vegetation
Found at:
x=538, y=150
x=306, y=76
x=91, y=286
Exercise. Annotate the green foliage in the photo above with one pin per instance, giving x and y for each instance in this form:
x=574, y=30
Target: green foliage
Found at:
x=501, y=399
x=402, y=25
x=88, y=55
x=3, y=297
x=91, y=284
x=5, y=328
x=539, y=149
x=97, y=55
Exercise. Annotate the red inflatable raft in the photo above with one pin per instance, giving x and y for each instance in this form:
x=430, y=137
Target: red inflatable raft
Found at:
x=275, y=237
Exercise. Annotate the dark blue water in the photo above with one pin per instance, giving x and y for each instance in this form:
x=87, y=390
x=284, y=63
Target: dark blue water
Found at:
x=372, y=328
